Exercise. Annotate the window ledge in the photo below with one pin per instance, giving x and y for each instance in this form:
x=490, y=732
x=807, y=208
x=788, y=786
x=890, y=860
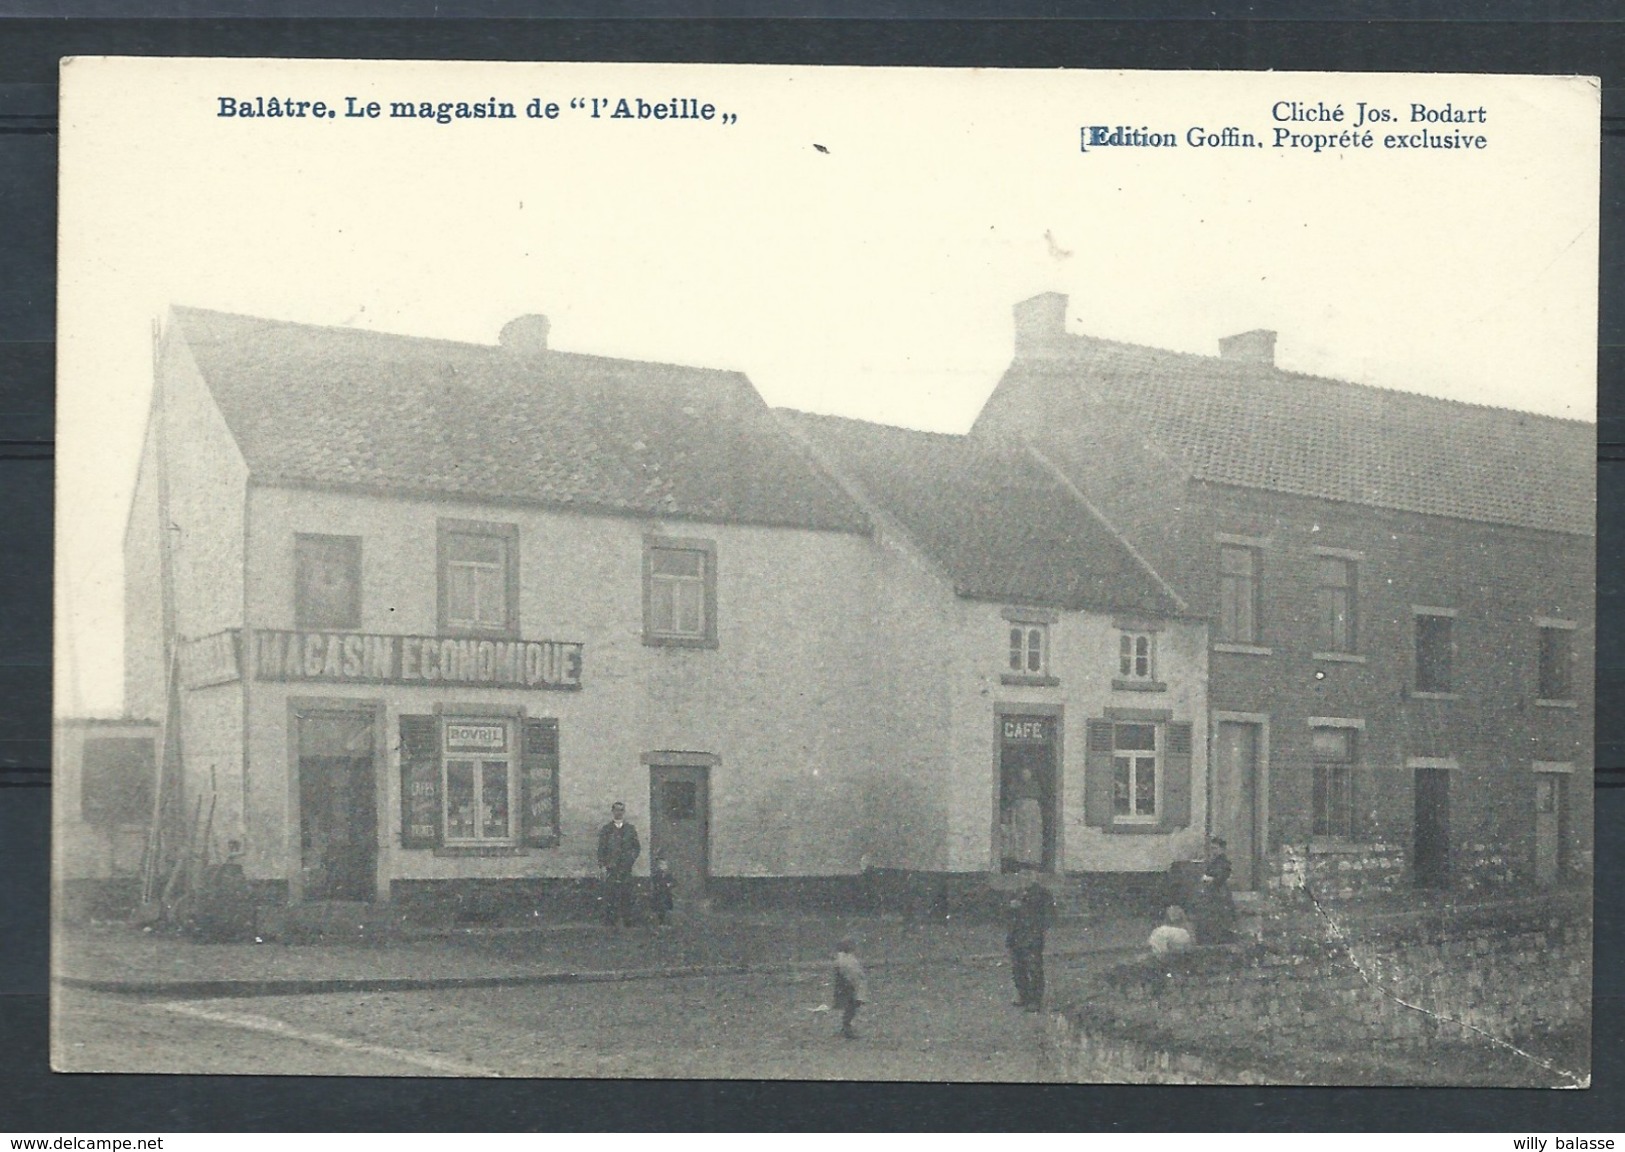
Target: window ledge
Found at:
x=654, y=640
x=1135, y=828
x=1018, y=678
x=1544, y=703
x=466, y=851
x=1435, y=695
x=1244, y=649
x=1139, y=686
x=1340, y=657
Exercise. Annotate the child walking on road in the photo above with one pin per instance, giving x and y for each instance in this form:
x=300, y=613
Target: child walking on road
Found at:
x=851, y=988
x=660, y=889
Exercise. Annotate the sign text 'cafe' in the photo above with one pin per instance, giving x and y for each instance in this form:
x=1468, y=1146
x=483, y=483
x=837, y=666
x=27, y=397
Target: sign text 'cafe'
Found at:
x=367, y=658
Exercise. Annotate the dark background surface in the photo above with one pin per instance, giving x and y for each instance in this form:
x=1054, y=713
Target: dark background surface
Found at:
x=1393, y=37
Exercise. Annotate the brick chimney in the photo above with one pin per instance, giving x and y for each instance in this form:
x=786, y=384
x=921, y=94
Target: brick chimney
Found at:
x=524, y=334
x=1255, y=347
x=1041, y=324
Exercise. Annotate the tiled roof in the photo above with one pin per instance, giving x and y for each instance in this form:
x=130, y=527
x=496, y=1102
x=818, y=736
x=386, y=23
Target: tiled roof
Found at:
x=1256, y=426
x=337, y=406
x=1000, y=524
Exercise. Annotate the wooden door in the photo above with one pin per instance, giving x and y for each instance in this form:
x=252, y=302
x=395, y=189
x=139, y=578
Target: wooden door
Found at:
x=1430, y=862
x=1548, y=815
x=1236, y=799
x=338, y=820
x=680, y=825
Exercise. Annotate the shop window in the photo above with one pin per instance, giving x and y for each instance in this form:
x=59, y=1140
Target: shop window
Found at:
x=1135, y=651
x=679, y=592
x=1334, y=604
x=476, y=782
x=1238, y=594
x=1334, y=751
x=1556, y=663
x=327, y=581
x=1137, y=772
x=1435, y=652
x=115, y=785
x=479, y=578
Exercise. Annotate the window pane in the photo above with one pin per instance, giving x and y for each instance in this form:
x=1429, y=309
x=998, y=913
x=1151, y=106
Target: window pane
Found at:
x=1142, y=657
x=1237, y=592
x=1433, y=653
x=690, y=607
x=1136, y=737
x=676, y=562
x=663, y=605
x=1333, y=573
x=1336, y=744
x=1122, y=770
x=1035, y=649
x=1015, y=649
x=468, y=549
x=490, y=585
x=1331, y=609
x=1125, y=655
x=460, y=815
x=1145, y=786
x=1237, y=561
x=494, y=799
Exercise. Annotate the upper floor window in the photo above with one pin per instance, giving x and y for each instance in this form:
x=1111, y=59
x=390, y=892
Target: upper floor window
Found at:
x=1334, y=751
x=1134, y=656
x=1238, y=594
x=1435, y=650
x=1556, y=660
x=327, y=581
x=1334, y=604
x=679, y=592
x=479, y=577
x=1029, y=649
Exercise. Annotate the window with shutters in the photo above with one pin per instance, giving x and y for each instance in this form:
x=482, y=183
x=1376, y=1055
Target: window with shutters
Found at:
x=479, y=578
x=1138, y=772
x=470, y=783
x=679, y=592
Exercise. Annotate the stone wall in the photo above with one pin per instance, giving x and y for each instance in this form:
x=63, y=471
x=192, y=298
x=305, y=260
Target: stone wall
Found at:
x=1499, y=994
x=1338, y=873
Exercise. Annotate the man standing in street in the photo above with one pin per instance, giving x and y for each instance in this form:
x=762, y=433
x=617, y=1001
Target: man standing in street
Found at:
x=1030, y=918
x=618, y=850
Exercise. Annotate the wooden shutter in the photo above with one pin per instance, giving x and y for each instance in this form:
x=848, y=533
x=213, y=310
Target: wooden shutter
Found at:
x=420, y=781
x=1176, y=776
x=1097, y=775
x=539, y=780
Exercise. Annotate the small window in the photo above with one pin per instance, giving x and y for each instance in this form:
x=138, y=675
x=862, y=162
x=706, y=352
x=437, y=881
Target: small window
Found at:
x=479, y=578
x=1135, y=656
x=1334, y=604
x=1556, y=664
x=327, y=581
x=1238, y=594
x=479, y=782
x=679, y=592
x=1029, y=649
x=1434, y=655
x=1333, y=750
x=1134, y=773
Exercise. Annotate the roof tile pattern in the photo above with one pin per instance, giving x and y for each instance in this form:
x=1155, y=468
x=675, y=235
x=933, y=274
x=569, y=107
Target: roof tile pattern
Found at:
x=1256, y=426
x=993, y=517
x=336, y=406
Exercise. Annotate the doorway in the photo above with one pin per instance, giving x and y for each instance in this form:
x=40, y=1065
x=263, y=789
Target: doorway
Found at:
x=680, y=824
x=338, y=818
x=1551, y=794
x=1238, y=747
x=1431, y=856
x=1027, y=792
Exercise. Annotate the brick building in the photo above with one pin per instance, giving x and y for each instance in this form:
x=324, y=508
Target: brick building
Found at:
x=1401, y=592
x=435, y=605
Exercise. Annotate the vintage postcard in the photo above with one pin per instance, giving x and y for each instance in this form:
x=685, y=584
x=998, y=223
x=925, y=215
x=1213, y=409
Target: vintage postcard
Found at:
x=825, y=573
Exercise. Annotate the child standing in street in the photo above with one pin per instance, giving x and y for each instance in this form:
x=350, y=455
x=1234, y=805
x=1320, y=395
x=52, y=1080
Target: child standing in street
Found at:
x=851, y=988
x=660, y=889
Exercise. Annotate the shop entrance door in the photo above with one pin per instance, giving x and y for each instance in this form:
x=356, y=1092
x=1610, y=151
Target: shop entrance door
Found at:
x=1237, y=746
x=338, y=818
x=1431, y=859
x=1549, y=788
x=680, y=824
x=1027, y=792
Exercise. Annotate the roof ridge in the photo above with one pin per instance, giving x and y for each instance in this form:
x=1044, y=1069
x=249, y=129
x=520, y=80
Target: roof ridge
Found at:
x=1247, y=368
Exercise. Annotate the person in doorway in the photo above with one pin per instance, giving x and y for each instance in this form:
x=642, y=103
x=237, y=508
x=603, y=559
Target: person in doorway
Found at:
x=660, y=889
x=618, y=851
x=1024, y=825
x=1173, y=934
x=851, y=989
x=1031, y=915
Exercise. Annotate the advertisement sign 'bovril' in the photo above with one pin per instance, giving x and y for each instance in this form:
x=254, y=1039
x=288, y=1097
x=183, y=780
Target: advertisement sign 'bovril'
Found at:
x=368, y=658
